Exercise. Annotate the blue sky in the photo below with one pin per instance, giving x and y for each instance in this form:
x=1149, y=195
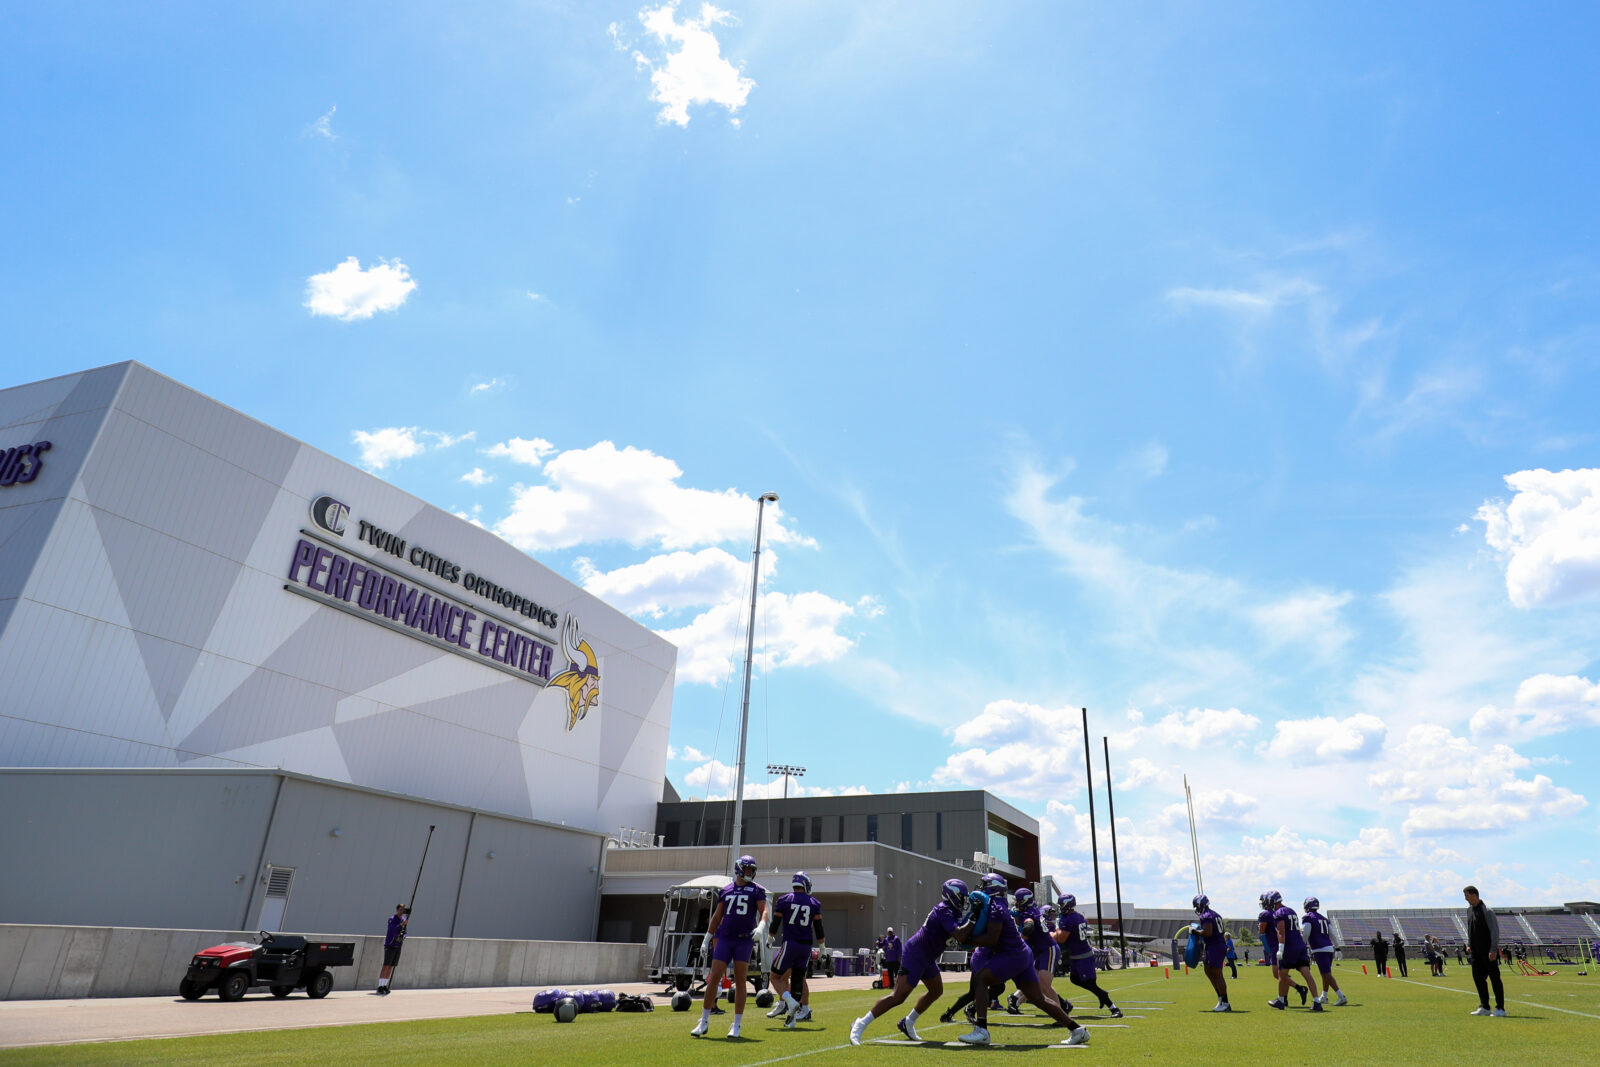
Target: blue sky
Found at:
x=1228, y=370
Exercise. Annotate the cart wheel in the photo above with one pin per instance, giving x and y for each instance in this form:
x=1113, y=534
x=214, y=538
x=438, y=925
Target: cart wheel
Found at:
x=233, y=986
x=282, y=990
x=191, y=990
x=320, y=985
x=682, y=982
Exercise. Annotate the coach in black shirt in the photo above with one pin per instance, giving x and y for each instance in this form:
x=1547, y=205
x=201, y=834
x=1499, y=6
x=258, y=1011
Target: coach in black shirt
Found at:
x=1380, y=953
x=1483, y=947
x=1400, y=954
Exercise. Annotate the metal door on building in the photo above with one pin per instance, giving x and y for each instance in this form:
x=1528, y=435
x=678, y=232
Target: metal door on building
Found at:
x=278, y=879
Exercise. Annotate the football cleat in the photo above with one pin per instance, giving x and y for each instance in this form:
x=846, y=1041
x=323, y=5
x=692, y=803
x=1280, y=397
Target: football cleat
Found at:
x=858, y=1028
x=978, y=1035
x=1080, y=1036
x=1316, y=1005
x=1480, y=1010
x=805, y=1013
x=1302, y=990
x=908, y=1028
x=1343, y=1000
x=1499, y=1013
x=1116, y=1012
x=971, y=1012
x=1223, y=1005
x=700, y=1028
x=948, y=1017
x=779, y=1008
x=1278, y=1002
x=1011, y=1004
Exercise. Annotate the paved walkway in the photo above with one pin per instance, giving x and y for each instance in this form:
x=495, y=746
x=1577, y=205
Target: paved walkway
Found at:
x=65, y=1022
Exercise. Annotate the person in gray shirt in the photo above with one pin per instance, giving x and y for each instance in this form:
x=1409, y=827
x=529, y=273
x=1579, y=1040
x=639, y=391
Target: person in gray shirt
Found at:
x=1483, y=949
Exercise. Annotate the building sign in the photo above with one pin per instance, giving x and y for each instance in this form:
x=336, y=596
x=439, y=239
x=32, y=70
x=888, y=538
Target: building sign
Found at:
x=381, y=590
x=21, y=464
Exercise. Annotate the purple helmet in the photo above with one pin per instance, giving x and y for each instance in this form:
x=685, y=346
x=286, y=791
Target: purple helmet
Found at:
x=995, y=885
x=1274, y=899
x=1312, y=904
x=1069, y=903
x=1023, y=898
x=745, y=868
x=1201, y=903
x=801, y=881
x=954, y=893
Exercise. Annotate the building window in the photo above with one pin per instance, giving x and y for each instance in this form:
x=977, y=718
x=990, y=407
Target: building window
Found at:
x=872, y=827
x=938, y=831
x=841, y=828
x=797, y=831
x=816, y=829
x=713, y=832
x=780, y=832
x=906, y=823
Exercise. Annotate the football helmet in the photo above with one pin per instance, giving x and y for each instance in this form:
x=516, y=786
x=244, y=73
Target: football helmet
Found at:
x=745, y=869
x=1312, y=904
x=1201, y=903
x=1274, y=899
x=1023, y=898
x=954, y=893
x=1069, y=902
x=801, y=881
x=995, y=885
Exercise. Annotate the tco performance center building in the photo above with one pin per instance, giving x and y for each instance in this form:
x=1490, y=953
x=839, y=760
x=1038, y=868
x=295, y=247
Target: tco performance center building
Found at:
x=239, y=680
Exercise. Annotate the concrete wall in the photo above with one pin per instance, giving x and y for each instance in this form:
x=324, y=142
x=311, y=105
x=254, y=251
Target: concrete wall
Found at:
x=50, y=962
x=173, y=849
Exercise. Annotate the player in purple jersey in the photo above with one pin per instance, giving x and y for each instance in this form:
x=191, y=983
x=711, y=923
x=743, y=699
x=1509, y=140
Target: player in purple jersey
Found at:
x=1318, y=934
x=1036, y=934
x=730, y=936
x=1002, y=956
x=1072, y=934
x=1269, y=944
x=797, y=918
x=1208, y=925
x=1292, y=954
x=920, y=961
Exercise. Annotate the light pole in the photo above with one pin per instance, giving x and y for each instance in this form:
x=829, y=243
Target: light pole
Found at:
x=749, y=655
x=788, y=770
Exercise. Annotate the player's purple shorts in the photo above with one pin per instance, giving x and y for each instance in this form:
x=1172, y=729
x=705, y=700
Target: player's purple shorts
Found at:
x=1294, y=959
x=1006, y=967
x=1216, y=953
x=1082, y=968
x=1044, y=959
x=1324, y=961
x=793, y=954
x=732, y=949
x=918, y=966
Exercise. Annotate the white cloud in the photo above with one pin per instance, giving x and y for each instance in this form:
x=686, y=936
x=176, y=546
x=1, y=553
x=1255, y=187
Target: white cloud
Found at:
x=1204, y=726
x=490, y=386
x=604, y=493
x=1310, y=618
x=476, y=476
x=347, y=292
x=801, y=630
x=1213, y=809
x=1550, y=534
x=522, y=450
x=1267, y=298
x=1017, y=748
x=323, y=127
x=696, y=73
x=672, y=581
x=1452, y=786
x=1545, y=704
x=380, y=448
x=1325, y=739
x=1143, y=772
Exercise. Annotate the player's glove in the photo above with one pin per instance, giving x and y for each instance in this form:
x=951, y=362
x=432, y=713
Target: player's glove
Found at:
x=705, y=948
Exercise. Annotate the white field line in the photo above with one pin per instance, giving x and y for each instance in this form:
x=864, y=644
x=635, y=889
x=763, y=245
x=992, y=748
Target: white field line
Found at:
x=1509, y=1000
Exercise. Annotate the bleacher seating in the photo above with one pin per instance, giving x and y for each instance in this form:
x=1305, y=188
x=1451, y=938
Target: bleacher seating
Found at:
x=1554, y=927
x=1442, y=927
x=1358, y=929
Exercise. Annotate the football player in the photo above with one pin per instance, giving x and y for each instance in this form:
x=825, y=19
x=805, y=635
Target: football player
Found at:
x=1002, y=956
x=1292, y=954
x=741, y=908
x=797, y=918
x=920, y=961
x=1269, y=944
x=1209, y=926
x=1072, y=934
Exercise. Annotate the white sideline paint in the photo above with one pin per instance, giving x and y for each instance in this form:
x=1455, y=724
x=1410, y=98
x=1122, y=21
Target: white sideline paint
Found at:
x=1509, y=1000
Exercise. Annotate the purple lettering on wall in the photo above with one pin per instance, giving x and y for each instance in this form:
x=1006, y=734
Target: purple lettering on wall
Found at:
x=304, y=552
x=465, y=637
x=318, y=564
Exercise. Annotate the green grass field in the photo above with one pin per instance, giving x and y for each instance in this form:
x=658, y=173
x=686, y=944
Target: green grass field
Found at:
x=1417, y=1021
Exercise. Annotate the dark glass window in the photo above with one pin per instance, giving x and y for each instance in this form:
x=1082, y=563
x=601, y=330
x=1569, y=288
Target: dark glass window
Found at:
x=713, y=832
x=938, y=831
x=797, y=831
x=872, y=827
x=906, y=823
x=816, y=828
x=841, y=828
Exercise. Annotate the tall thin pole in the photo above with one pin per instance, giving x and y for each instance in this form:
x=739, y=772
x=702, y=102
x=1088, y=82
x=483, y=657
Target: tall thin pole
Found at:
x=749, y=657
x=1116, y=869
x=1094, y=847
x=1194, y=838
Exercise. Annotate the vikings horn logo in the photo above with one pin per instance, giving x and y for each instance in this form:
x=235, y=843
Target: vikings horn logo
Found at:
x=581, y=679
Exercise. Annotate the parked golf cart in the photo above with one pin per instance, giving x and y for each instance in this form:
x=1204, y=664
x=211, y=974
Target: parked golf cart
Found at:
x=282, y=962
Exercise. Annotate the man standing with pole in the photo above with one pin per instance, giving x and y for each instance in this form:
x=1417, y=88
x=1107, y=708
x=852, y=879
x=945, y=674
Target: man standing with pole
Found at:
x=394, y=938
